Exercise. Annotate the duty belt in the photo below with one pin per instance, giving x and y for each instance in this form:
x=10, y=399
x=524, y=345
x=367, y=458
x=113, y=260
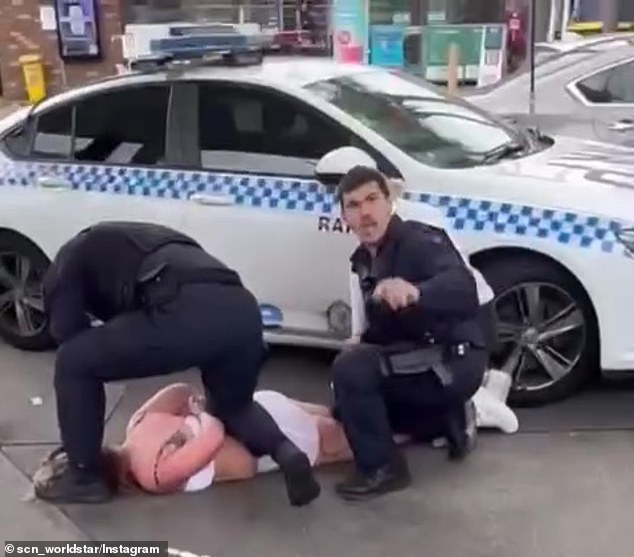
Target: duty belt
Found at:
x=162, y=283
x=418, y=360
x=213, y=275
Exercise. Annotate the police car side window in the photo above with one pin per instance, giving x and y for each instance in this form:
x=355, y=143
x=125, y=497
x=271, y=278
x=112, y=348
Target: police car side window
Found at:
x=256, y=131
x=125, y=126
x=52, y=136
x=54, y=133
x=614, y=85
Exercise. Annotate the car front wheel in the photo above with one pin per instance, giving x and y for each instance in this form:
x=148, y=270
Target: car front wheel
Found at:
x=23, y=323
x=547, y=337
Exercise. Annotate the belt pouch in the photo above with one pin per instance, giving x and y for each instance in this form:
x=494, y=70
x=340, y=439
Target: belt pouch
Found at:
x=416, y=362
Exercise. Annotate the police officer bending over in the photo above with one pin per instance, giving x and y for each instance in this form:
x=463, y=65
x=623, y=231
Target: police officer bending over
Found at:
x=422, y=355
x=167, y=305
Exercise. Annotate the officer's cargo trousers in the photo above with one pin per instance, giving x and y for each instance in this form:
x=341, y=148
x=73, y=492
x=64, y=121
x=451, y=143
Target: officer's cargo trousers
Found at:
x=371, y=406
x=217, y=328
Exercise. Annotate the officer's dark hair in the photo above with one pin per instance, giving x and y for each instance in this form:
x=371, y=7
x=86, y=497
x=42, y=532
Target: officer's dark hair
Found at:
x=358, y=176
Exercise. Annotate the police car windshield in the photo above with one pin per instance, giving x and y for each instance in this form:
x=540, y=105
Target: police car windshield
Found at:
x=416, y=117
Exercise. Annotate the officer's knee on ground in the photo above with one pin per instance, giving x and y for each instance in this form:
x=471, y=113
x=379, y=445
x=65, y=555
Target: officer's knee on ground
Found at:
x=356, y=368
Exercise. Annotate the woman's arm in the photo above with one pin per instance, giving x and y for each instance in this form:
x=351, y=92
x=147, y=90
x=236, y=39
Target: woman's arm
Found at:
x=173, y=399
x=189, y=456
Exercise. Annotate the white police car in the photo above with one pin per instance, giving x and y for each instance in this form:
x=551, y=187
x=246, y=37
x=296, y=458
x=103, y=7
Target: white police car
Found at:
x=245, y=158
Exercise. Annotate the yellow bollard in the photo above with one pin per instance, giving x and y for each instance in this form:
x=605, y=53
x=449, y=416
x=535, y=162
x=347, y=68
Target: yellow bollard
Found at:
x=33, y=70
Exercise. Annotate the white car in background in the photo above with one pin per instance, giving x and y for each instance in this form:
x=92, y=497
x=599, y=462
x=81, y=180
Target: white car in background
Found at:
x=583, y=89
x=245, y=159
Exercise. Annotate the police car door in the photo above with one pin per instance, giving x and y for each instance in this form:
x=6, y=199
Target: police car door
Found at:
x=259, y=207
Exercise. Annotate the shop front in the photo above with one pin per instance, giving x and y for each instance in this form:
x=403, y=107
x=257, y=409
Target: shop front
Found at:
x=417, y=35
x=592, y=10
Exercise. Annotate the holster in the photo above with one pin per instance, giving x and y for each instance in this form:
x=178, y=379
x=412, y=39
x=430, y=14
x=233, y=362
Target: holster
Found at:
x=399, y=361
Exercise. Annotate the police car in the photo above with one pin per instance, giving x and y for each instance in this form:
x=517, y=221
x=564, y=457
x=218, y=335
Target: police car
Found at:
x=245, y=157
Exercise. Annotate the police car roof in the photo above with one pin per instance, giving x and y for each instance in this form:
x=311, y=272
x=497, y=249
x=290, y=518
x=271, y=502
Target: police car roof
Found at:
x=296, y=70
x=300, y=69
x=279, y=71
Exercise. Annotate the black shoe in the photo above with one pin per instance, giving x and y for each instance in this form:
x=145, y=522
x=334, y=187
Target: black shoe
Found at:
x=462, y=433
x=392, y=477
x=69, y=488
x=301, y=486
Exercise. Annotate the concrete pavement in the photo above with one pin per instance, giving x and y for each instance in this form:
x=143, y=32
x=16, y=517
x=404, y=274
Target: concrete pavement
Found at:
x=34, y=520
x=558, y=488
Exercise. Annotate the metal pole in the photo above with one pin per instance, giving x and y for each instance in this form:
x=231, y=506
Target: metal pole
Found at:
x=565, y=16
x=609, y=15
x=531, y=54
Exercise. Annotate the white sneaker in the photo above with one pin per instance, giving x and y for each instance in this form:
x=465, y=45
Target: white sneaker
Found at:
x=498, y=383
x=493, y=413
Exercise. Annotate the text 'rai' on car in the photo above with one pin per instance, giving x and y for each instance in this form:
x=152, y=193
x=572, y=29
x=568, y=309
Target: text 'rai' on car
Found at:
x=245, y=158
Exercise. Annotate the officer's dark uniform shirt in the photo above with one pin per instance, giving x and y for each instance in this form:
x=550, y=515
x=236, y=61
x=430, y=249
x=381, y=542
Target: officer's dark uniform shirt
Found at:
x=447, y=311
x=97, y=272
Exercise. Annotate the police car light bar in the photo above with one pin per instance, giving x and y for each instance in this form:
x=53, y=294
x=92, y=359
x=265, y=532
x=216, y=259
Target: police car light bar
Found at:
x=197, y=56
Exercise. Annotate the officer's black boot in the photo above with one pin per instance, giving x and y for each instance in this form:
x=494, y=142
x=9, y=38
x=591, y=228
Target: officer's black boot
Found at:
x=301, y=486
x=392, y=477
x=74, y=486
x=462, y=432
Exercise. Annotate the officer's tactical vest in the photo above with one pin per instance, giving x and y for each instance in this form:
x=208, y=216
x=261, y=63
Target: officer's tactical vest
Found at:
x=114, y=253
x=400, y=257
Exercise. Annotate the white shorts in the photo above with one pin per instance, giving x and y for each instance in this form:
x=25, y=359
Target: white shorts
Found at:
x=297, y=424
x=201, y=479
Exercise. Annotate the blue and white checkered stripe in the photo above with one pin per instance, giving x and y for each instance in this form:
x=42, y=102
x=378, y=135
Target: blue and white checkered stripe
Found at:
x=289, y=194
x=309, y=196
x=567, y=228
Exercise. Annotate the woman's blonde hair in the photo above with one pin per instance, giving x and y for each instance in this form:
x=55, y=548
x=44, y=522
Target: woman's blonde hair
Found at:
x=115, y=466
x=51, y=467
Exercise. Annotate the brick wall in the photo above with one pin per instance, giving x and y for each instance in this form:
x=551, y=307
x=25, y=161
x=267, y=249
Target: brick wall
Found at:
x=21, y=33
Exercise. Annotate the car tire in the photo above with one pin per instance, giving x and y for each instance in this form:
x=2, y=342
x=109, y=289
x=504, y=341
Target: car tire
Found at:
x=12, y=247
x=525, y=277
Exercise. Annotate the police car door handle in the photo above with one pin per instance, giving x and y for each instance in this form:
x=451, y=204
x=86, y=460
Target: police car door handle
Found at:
x=54, y=183
x=214, y=200
x=624, y=125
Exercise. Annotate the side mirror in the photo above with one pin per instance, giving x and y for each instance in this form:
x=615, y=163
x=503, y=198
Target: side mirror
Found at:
x=333, y=165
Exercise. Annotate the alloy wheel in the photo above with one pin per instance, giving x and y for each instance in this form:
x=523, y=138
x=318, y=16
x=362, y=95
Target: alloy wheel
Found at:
x=21, y=300
x=541, y=335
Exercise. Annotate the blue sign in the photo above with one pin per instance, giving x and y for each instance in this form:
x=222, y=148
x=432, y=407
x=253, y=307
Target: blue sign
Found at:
x=387, y=45
x=77, y=29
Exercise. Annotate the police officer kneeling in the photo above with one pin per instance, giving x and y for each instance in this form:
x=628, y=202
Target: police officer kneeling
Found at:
x=422, y=355
x=166, y=305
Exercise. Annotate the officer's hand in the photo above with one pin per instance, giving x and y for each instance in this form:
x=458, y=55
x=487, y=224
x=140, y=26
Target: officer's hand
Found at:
x=396, y=293
x=196, y=404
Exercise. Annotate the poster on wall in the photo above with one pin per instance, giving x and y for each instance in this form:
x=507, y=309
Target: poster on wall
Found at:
x=350, y=31
x=77, y=29
x=387, y=45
